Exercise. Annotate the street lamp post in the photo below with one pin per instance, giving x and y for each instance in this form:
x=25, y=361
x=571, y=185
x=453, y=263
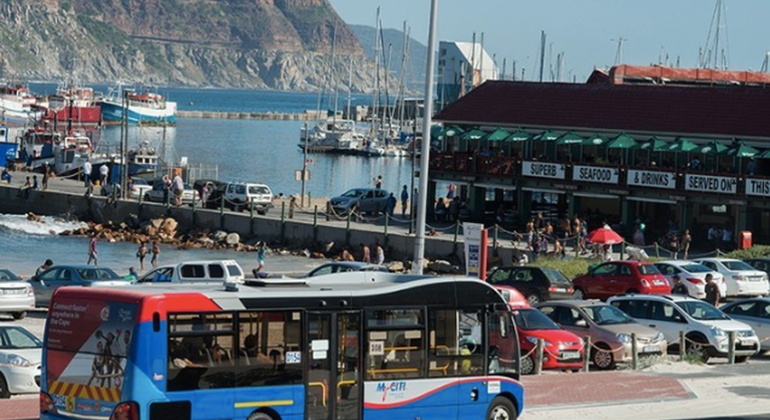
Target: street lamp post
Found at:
x=419, y=239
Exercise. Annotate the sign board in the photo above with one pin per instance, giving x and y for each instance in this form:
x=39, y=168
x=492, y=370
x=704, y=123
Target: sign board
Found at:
x=472, y=238
x=543, y=170
x=596, y=174
x=652, y=179
x=757, y=187
x=298, y=175
x=711, y=184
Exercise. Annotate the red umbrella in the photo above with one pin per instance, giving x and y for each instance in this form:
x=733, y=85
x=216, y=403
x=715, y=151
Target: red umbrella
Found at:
x=605, y=235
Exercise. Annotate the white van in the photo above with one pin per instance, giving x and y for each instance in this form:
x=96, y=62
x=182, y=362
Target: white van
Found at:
x=224, y=271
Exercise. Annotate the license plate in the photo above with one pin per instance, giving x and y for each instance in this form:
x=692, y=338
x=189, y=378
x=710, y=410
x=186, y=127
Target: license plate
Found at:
x=570, y=355
x=650, y=349
x=13, y=291
x=658, y=282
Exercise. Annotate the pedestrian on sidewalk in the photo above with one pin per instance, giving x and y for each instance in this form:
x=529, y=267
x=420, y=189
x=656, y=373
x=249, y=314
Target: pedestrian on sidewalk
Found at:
x=46, y=174
x=378, y=182
x=178, y=190
x=141, y=253
x=380, y=252
x=366, y=255
x=686, y=239
x=391, y=204
x=87, y=169
x=404, y=200
x=104, y=172
x=24, y=189
x=713, y=295
x=155, y=253
x=35, y=185
x=93, y=254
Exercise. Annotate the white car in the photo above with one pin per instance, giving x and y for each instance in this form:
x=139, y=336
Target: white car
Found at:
x=158, y=193
x=741, y=278
x=224, y=271
x=240, y=196
x=706, y=328
x=20, y=356
x=693, y=276
x=16, y=296
x=139, y=187
x=756, y=313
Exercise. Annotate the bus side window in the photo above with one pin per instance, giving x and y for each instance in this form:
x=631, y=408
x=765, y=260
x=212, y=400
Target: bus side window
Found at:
x=396, y=344
x=201, y=351
x=456, y=343
x=269, y=352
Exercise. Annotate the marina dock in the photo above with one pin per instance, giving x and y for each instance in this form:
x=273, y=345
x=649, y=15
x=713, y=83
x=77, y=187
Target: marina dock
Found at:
x=309, y=115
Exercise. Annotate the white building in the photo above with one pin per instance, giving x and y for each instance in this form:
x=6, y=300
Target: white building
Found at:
x=461, y=67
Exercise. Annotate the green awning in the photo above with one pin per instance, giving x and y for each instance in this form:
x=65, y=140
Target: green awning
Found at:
x=451, y=131
x=623, y=141
x=682, y=145
x=547, y=136
x=474, y=135
x=498, y=135
x=570, y=138
x=713, y=148
x=519, y=135
x=765, y=154
x=742, y=150
x=435, y=131
x=655, y=145
x=597, y=140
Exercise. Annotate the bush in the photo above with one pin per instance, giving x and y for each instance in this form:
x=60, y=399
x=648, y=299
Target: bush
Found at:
x=571, y=268
x=757, y=251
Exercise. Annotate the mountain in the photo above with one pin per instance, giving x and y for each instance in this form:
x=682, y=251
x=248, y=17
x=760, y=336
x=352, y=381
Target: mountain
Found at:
x=418, y=53
x=277, y=44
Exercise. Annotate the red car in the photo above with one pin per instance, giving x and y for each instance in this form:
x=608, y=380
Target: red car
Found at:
x=620, y=277
x=562, y=350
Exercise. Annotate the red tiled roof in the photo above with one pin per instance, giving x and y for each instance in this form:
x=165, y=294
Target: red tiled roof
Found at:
x=696, y=111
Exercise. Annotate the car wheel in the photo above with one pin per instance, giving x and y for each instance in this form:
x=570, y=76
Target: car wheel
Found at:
x=19, y=315
x=147, y=197
x=4, y=391
x=501, y=409
x=579, y=294
x=527, y=365
x=741, y=359
x=534, y=299
x=603, y=358
x=698, y=346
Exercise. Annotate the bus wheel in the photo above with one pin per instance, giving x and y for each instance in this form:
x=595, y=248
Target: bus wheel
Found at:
x=259, y=415
x=501, y=409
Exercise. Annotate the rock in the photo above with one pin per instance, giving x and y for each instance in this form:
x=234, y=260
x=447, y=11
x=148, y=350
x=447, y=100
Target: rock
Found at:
x=233, y=239
x=440, y=266
x=66, y=233
x=219, y=236
x=169, y=226
x=396, y=267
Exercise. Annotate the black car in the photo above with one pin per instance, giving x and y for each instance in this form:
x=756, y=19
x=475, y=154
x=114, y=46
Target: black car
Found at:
x=537, y=284
x=216, y=190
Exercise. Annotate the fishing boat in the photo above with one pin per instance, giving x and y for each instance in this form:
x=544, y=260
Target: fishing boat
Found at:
x=18, y=105
x=64, y=154
x=72, y=106
x=143, y=160
x=143, y=108
x=7, y=148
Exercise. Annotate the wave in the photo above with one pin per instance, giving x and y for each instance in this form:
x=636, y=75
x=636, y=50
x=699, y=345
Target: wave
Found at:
x=14, y=223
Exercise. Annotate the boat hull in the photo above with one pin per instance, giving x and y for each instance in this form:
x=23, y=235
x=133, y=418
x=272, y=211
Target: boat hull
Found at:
x=113, y=113
x=89, y=116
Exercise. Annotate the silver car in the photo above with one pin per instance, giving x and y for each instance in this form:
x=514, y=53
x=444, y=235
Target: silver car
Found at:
x=756, y=313
x=16, y=296
x=609, y=328
x=48, y=281
x=364, y=200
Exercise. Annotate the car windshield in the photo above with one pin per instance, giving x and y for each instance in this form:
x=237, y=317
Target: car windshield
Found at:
x=532, y=319
x=607, y=315
x=18, y=338
x=7, y=275
x=555, y=276
x=258, y=189
x=97, y=274
x=187, y=187
x=139, y=181
x=354, y=193
x=696, y=268
x=648, y=269
x=702, y=311
x=737, y=266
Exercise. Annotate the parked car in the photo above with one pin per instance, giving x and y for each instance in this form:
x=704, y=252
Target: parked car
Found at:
x=48, y=281
x=620, y=277
x=240, y=196
x=741, y=278
x=693, y=276
x=761, y=264
x=561, y=349
x=16, y=295
x=156, y=193
x=365, y=200
x=20, y=356
x=224, y=271
x=537, y=284
x=610, y=330
x=215, y=189
x=139, y=188
x=705, y=326
x=755, y=312
x=344, y=267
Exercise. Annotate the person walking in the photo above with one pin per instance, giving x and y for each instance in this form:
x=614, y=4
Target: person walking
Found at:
x=378, y=182
x=35, y=185
x=46, y=265
x=155, y=253
x=87, y=169
x=713, y=295
x=93, y=254
x=404, y=200
x=46, y=174
x=178, y=190
x=366, y=255
x=391, y=204
x=141, y=253
x=679, y=287
x=380, y=253
x=261, y=248
x=166, y=188
x=104, y=172
x=686, y=239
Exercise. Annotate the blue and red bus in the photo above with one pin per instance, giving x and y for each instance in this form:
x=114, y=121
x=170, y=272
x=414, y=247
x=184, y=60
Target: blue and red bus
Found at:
x=342, y=347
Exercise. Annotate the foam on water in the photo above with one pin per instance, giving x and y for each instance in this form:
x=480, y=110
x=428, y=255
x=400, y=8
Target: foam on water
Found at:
x=14, y=223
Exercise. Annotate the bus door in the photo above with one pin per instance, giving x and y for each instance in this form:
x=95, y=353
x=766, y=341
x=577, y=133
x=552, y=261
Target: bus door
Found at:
x=333, y=389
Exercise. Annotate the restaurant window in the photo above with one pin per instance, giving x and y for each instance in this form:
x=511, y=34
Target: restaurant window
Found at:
x=200, y=352
x=269, y=348
x=456, y=343
x=395, y=344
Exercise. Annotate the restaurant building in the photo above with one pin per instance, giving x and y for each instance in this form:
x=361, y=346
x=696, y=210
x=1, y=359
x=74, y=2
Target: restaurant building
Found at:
x=688, y=148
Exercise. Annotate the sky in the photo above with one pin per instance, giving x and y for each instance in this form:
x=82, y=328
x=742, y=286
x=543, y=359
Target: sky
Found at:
x=586, y=31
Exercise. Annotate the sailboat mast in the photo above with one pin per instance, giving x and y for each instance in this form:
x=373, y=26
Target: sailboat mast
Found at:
x=350, y=86
x=331, y=72
x=376, y=91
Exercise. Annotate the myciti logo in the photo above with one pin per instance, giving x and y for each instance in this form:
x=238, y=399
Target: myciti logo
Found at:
x=391, y=388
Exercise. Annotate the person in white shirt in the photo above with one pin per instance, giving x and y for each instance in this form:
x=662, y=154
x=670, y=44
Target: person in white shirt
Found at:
x=87, y=168
x=380, y=253
x=104, y=171
x=178, y=189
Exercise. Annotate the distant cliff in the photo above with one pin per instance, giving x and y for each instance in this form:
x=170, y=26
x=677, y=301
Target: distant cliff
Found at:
x=414, y=77
x=277, y=44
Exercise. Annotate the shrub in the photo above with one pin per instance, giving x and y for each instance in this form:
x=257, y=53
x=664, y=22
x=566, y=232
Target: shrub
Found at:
x=571, y=268
x=757, y=251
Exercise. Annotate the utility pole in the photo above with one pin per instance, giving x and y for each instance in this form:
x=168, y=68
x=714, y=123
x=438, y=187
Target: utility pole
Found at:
x=542, y=54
